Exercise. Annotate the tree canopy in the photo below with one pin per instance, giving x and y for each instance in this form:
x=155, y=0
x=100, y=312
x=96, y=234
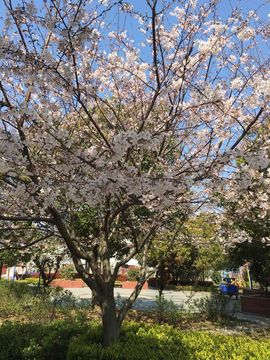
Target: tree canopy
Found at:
x=95, y=120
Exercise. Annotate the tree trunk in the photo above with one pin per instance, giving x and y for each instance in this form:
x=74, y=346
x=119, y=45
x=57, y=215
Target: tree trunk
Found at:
x=110, y=325
x=1, y=268
x=160, y=293
x=95, y=299
x=162, y=279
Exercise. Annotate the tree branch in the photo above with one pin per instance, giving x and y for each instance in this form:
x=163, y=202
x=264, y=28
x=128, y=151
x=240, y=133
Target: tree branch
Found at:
x=27, y=218
x=26, y=245
x=246, y=130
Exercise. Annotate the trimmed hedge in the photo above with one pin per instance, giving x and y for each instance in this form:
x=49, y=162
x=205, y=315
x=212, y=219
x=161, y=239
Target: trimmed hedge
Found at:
x=183, y=285
x=189, y=288
x=80, y=341
x=32, y=341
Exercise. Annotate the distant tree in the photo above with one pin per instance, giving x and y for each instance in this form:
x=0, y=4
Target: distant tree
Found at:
x=257, y=254
x=11, y=258
x=48, y=258
x=249, y=241
x=245, y=201
x=187, y=254
x=205, y=251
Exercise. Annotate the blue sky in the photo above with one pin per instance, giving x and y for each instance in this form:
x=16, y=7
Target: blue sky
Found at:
x=225, y=5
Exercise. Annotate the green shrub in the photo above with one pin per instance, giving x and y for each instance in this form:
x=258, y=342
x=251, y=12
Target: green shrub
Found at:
x=13, y=297
x=14, y=337
x=133, y=274
x=189, y=288
x=33, y=341
x=62, y=298
x=80, y=351
x=32, y=303
x=216, y=277
x=81, y=341
x=33, y=281
x=68, y=272
x=167, y=311
x=215, y=306
x=154, y=342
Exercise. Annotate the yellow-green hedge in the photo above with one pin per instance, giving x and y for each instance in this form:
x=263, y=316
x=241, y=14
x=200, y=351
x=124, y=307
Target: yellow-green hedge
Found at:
x=148, y=342
x=65, y=340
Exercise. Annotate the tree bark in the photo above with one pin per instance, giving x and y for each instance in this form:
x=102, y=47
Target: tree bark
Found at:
x=160, y=293
x=110, y=324
x=95, y=299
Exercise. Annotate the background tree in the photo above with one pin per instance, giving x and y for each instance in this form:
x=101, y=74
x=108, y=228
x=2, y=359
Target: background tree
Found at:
x=94, y=119
x=11, y=258
x=206, y=254
x=48, y=258
x=189, y=254
x=257, y=255
x=245, y=198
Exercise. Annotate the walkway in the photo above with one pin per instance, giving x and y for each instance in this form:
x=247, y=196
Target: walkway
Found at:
x=183, y=299
x=147, y=298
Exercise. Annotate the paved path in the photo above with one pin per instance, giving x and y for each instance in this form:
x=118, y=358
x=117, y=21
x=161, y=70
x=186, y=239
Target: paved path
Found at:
x=147, y=298
x=256, y=319
x=147, y=301
x=176, y=296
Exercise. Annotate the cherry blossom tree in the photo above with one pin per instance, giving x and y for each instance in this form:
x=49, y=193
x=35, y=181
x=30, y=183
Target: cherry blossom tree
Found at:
x=244, y=197
x=244, y=191
x=113, y=118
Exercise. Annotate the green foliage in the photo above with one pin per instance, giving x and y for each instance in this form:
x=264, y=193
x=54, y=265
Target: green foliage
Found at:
x=63, y=340
x=167, y=311
x=33, y=341
x=193, y=288
x=12, y=257
x=21, y=301
x=192, y=254
x=215, y=307
x=258, y=254
x=68, y=272
x=205, y=256
x=86, y=222
x=62, y=298
x=256, y=251
x=133, y=274
x=216, y=277
x=30, y=280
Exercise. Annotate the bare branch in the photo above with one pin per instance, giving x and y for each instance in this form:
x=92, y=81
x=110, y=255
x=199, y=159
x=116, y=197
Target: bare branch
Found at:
x=246, y=130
